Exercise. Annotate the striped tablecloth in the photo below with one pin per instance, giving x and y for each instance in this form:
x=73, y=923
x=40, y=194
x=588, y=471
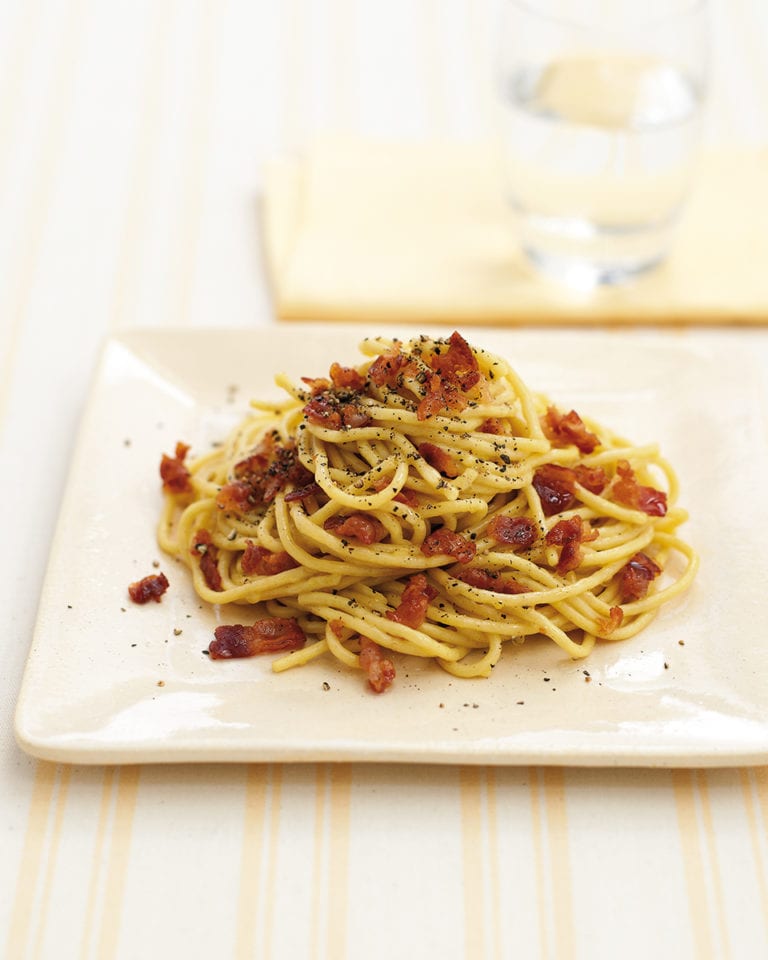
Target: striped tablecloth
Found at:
x=132, y=141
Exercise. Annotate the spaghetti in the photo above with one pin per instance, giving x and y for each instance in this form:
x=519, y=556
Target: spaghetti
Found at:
x=424, y=503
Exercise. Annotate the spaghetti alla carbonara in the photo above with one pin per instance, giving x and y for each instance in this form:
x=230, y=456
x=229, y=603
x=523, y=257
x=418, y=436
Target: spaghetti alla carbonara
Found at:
x=424, y=503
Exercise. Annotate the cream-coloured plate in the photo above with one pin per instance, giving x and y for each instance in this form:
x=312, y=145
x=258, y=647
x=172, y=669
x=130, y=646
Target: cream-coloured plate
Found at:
x=110, y=682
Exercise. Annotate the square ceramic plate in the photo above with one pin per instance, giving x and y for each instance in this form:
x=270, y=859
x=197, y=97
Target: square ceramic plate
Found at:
x=110, y=682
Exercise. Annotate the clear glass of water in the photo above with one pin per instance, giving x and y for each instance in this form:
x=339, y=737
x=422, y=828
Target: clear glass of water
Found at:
x=602, y=115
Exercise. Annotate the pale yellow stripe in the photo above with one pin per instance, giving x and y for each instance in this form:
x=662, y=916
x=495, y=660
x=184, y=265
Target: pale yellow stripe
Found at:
x=195, y=155
x=11, y=99
x=693, y=862
x=31, y=858
x=537, y=837
x=50, y=867
x=337, y=882
x=138, y=194
x=560, y=861
x=42, y=186
x=493, y=860
x=714, y=862
x=117, y=864
x=318, y=855
x=270, y=884
x=754, y=836
x=96, y=864
x=250, y=864
x=472, y=863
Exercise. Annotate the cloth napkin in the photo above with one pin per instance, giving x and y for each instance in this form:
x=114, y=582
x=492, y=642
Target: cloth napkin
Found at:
x=421, y=232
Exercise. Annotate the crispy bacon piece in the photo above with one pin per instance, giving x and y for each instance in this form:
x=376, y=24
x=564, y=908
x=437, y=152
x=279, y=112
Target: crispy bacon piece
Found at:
x=174, y=474
x=207, y=554
x=148, y=588
x=487, y=580
x=388, y=366
x=554, y=485
x=627, y=491
x=636, y=576
x=517, y=532
x=456, y=371
x=346, y=378
x=569, y=535
x=380, y=669
x=458, y=365
x=491, y=425
x=441, y=395
x=285, y=468
x=449, y=542
x=593, y=479
x=302, y=493
x=262, y=475
x=336, y=411
x=271, y=635
x=440, y=459
x=262, y=562
x=614, y=621
x=414, y=601
x=360, y=526
x=323, y=412
x=259, y=459
x=237, y=497
x=564, y=429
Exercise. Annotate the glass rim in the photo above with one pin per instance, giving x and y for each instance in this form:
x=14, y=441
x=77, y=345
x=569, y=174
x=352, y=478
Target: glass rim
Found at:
x=572, y=20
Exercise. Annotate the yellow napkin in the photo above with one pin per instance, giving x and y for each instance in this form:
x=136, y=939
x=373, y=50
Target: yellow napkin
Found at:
x=414, y=232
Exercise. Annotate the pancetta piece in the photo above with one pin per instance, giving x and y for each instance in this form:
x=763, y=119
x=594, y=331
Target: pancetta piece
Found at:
x=414, y=601
x=627, y=491
x=449, y=542
x=517, y=532
x=569, y=535
x=271, y=635
x=264, y=563
x=636, y=576
x=173, y=472
x=207, y=554
x=379, y=668
x=148, y=588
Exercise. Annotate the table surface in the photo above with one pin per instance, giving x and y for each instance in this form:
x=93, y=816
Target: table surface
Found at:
x=133, y=137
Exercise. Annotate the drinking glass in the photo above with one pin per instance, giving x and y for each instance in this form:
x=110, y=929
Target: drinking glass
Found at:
x=602, y=109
